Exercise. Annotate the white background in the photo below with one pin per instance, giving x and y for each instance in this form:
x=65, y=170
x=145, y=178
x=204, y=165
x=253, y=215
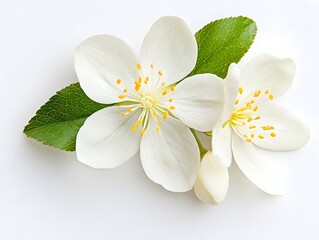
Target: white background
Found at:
x=47, y=194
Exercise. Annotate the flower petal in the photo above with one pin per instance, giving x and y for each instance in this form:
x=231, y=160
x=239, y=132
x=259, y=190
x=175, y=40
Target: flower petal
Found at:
x=212, y=182
x=221, y=144
x=266, y=72
x=99, y=62
x=170, y=157
x=257, y=170
x=171, y=48
x=198, y=101
x=289, y=133
x=106, y=140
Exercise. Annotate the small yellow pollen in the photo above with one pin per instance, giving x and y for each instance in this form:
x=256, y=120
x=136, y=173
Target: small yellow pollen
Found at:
x=170, y=100
x=236, y=102
x=123, y=114
x=257, y=118
x=251, y=127
x=245, y=136
x=157, y=129
x=118, y=81
x=172, y=107
x=261, y=136
x=248, y=140
x=125, y=90
x=142, y=132
x=271, y=97
x=138, y=123
x=139, y=66
x=267, y=91
x=129, y=110
x=172, y=88
x=255, y=109
x=140, y=80
x=273, y=134
x=160, y=73
x=133, y=128
x=137, y=88
x=257, y=94
x=252, y=135
x=240, y=90
x=122, y=96
x=165, y=115
x=154, y=113
x=249, y=119
x=163, y=84
x=164, y=92
x=152, y=66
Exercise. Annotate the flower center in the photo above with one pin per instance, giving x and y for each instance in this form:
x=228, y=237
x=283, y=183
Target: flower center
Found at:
x=244, y=119
x=149, y=95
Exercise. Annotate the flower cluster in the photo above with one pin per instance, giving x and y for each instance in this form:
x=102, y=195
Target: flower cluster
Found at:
x=157, y=108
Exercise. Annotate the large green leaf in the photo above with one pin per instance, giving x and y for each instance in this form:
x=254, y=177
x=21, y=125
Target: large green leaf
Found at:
x=222, y=42
x=58, y=121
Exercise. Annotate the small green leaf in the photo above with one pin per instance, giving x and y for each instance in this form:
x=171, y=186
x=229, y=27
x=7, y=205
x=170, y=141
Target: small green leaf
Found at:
x=58, y=121
x=223, y=42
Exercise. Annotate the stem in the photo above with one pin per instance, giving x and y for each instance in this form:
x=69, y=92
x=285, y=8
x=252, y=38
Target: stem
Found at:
x=202, y=150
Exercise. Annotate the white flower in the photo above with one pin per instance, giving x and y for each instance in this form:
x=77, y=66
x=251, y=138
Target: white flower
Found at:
x=251, y=119
x=151, y=109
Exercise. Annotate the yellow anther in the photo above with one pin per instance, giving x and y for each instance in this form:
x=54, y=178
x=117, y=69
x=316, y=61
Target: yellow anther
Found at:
x=160, y=73
x=154, y=113
x=163, y=84
x=142, y=132
x=140, y=80
x=261, y=136
x=252, y=135
x=248, y=140
x=146, y=79
x=172, y=107
x=122, y=96
x=160, y=123
x=125, y=90
x=138, y=123
x=243, y=123
x=137, y=84
x=236, y=102
x=251, y=127
x=240, y=90
x=123, y=114
x=152, y=66
x=245, y=136
x=138, y=66
x=255, y=109
x=248, y=104
x=129, y=110
x=170, y=100
x=249, y=119
x=271, y=97
x=133, y=128
x=172, y=88
x=137, y=88
x=157, y=129
x=273, y=134
x=165, y=115
x=257, y=118
x=257, y=93
x=118, y=81
x=164, y=92
x=267, y=91
x=252, y=101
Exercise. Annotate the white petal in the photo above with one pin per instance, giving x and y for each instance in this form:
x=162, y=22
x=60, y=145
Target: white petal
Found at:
x=221, y=144
x=212, y=182
x=170, y=157
x=266, y=72
x=198, y=101
x=171, y=47
x=106, y=140
x=99, y=62
x=256, y=169
x=291, y=132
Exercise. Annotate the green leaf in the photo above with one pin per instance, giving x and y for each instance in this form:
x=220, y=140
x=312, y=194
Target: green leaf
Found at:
x=58, y=121
x=223, y=42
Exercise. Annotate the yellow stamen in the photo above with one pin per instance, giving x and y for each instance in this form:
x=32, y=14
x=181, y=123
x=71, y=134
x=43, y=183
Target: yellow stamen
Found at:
x=251, y=127
x=172, y=107
x=170, y=100
x=261, y=136
x=163, y=84
x=252, y=135
x=160, y=73
x=157, y=129
x=248, y=140
x=133, y=128
x=267, y=91
x=273, y=134
x=271, y=97
x=123, y=114
x=257, y=118
x=140, y=80
x=152, y=65
x=138, y=123
x=165, y=115
x=154, y=113
x=139, y=66
x=125, y=90
x=249, y=119
x=236, y=102
x=118, y=81
x=255, y=109
x=122, y=96
x=129, y=110
x=240, y=90
x=172, y=88
x=142, y=132
x=257, y=94
x=164, y=92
